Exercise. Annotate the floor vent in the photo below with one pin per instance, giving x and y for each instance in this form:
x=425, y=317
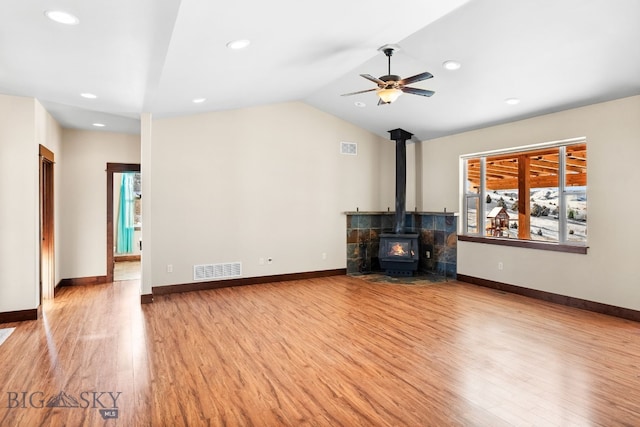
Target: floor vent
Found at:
x=350, y=148
x=217, y=271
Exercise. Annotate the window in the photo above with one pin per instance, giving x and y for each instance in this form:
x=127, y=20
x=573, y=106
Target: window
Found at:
x=536, y=193
x=137, y=207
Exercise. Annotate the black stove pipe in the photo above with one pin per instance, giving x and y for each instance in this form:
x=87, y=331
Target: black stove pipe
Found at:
x=401, y=136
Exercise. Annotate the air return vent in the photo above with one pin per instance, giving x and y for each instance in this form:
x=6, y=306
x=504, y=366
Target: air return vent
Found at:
x=217, y=271
x=350, y=148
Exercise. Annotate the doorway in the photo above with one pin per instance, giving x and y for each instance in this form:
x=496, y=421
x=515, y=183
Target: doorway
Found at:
x=47, y=247
x=128, y=264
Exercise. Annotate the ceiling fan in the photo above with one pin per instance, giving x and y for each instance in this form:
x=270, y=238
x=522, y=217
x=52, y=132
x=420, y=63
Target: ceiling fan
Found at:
x=390, y=87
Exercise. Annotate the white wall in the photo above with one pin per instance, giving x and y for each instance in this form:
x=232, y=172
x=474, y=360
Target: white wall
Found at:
x=83, y=199
x=49, y=134
x=19, y=289
x=146, y=168
x=260, y=182
x=609, y=273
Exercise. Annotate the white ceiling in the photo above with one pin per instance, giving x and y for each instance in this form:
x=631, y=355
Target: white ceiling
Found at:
x=157, y=56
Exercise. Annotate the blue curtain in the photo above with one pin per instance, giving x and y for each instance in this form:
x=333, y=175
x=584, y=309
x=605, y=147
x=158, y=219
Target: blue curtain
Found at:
x=124, y=239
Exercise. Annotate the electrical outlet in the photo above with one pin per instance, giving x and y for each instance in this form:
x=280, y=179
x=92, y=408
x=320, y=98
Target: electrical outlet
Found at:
x=169, y=268
x=428, y=254
x=500, y=266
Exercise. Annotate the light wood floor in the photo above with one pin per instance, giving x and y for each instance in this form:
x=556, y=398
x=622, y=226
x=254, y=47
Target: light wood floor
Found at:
x=325, y=352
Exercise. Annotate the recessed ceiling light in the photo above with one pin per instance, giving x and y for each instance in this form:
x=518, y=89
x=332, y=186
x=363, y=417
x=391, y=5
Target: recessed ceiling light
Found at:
x=99, y=125
x=451, y=65
x=512, y=101
x=199, y=100
x=238, y=44
x=88, y=95
x=62, y=17
x=360, y=104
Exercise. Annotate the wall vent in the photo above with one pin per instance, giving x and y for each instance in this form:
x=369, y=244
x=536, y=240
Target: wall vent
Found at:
x=217, y=271
x=350, y=148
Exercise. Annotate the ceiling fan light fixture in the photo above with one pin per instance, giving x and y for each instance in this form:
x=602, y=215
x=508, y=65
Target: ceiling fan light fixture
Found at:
x=390, y=86
x=389, y=95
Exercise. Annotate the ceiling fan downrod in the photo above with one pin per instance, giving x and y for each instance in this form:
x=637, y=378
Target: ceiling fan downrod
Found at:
x=388, y=51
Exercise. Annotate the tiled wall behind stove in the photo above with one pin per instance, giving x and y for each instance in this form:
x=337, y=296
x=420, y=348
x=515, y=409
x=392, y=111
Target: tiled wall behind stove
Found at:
x=363, y=240
x=438, y=235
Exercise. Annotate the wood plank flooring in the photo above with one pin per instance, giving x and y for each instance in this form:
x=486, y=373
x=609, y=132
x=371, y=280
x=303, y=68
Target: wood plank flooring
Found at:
x=335, y=351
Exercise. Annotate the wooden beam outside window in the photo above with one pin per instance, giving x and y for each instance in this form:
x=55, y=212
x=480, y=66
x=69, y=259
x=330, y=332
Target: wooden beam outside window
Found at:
x=524, y=206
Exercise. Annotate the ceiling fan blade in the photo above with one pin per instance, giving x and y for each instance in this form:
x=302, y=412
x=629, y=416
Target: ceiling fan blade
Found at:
x=360, y=91
x=417, y=78
x=415, y=91
x=373, y=79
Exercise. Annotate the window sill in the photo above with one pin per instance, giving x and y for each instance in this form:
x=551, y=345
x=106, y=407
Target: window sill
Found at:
x=574, y=249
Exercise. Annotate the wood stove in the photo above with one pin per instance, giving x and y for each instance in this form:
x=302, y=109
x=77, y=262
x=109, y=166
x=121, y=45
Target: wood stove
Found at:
x=399, y=251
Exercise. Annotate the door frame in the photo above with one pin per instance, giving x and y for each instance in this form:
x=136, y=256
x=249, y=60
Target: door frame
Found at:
x=46, y=247
x=111, y=169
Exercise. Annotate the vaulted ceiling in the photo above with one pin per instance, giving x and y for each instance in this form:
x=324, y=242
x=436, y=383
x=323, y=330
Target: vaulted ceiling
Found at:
x=158, y=56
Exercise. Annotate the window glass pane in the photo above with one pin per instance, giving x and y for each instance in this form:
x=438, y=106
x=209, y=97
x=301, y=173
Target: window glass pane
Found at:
x=576, y=167
x=501, y=172
x=501, y=201
x=473, y=176
x=544, y=195
x=473, y=204
x=501, y=207
x=137, y=206
x=576, y=193
x=576, y=203
x=544, y=214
